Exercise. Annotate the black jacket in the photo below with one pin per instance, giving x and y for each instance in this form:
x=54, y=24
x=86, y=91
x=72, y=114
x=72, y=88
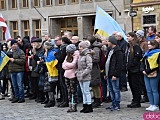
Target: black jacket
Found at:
x=133, y=60
x=115, y=67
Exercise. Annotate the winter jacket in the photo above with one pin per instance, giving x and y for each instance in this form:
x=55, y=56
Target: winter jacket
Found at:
x=19, y=61
x=95, y=74
x=70, y=68
x=84, y=69
x=145, y=66
x=116, y=62
x=133, y=60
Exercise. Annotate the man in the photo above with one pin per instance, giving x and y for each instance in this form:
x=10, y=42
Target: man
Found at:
x=16, y=68
x=151, y=33
x=20, y=42
x=38, y=52
x=48, y=37
x=75, y=41
x=123, y=45
x=68, y=35
x=113, y=71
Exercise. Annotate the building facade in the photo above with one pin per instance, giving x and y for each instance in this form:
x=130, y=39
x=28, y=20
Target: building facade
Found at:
x=148, y=14
x=38, y=17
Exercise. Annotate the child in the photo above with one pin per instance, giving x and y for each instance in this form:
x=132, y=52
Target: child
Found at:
x=69, y=65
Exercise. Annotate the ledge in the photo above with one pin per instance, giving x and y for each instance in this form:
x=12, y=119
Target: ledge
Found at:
x=145, y=4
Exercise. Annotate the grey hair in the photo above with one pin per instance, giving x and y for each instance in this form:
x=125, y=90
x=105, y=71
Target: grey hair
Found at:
x=120, y=34
x=69, y=33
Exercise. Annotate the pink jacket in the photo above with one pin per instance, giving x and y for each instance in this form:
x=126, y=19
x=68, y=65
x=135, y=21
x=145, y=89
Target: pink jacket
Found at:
x=70, y=68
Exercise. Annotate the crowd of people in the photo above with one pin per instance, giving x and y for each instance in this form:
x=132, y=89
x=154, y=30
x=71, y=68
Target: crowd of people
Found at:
x=63, y=71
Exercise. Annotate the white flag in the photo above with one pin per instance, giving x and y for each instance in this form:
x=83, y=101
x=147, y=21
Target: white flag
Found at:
x=4, y=27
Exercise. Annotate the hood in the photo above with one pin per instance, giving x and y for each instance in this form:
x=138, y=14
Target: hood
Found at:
x=87, y=51
x=97, y=44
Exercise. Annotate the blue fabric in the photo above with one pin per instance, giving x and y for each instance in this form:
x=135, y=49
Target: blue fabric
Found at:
x=50, y=55
x=152, y=89
x=149, y=53
x=113, y=87
x=150, y=37
x=17, y=81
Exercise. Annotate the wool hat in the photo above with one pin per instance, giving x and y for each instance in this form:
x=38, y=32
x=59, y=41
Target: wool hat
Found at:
x=48, y=44
x=13, y=41
x=71, y=48
x=85, y=44
x=140, y=33
x=37, y=40
x=33, y=38
x=112, y=39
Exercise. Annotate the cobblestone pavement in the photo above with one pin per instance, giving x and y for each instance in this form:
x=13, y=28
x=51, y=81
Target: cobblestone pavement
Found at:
x=35, y=111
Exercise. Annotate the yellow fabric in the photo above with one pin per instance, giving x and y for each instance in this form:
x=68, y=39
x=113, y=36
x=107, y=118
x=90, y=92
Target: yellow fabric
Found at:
x=102, y=33
x=52, y=70
x=153, y=61
x=4, y=62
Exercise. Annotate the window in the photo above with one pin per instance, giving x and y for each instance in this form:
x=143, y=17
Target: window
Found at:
x=2, y=33
x=48, y=2
x=24, y=3
x=3, y=4
x=14, y=28
x=74, y=1
x=149, y=19
x=69, y=24
x=37, y=28
x=13, y=4
x=25, y=28
x=61, y=2
x=36, y=3
x=87, y=0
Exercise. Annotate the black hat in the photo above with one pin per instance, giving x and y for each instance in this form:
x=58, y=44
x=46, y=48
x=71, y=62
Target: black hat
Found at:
x=13, y=41
x=37, y=40
x=112, y=39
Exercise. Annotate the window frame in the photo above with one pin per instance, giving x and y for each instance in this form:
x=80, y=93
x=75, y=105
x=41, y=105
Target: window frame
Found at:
x=24, y=29
x=76, y=1
x=12, y=3
x=38, y=3
x=4, y=5
x=35, y=29
x=27, y=4
x=51, y=3
x=63, y=2
x=14, y=30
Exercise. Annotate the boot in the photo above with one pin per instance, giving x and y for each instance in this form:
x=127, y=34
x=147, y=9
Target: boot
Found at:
x=74, y=107
x=88, y=109
x=2, y=97
x=70, y=107
x=94, y=102
x=50, y=104
x=84, y=108
x=97, y=103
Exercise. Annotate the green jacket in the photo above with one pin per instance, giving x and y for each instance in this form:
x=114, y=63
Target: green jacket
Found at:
x=19, y=62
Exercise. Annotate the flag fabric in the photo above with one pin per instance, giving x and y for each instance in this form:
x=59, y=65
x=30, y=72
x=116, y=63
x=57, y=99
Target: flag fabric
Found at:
x=51, y=63
x=3, y=60
x=152, y=57
x=4, y=27
x=105, y=24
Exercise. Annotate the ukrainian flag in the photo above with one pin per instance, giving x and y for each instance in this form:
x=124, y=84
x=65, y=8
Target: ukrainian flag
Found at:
x=105, y=24
x=51, y=63
x=152, y=57
x=3, y=60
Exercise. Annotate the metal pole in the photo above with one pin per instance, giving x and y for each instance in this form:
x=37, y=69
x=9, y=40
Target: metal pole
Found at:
x=131, y=9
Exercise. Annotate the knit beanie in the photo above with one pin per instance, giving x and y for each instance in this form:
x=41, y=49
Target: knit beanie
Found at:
x=85, y=44
x=112, y=39
x=71, y=48
x=140, y=33
x=13, y=41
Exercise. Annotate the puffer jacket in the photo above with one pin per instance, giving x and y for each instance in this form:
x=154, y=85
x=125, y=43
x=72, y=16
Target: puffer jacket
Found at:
x=84, y=69
x=95, y=74
x=19, y=61
x=70, y=68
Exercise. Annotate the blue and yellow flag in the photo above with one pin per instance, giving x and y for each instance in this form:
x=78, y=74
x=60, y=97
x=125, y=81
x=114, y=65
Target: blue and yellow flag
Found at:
x=152, y=57
x=3, y=60
x=51, y=63
x=105, y=24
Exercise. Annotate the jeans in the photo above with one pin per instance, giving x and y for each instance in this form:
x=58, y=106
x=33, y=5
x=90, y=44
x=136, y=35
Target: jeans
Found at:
x=17, y=82
x=152, y=89
x=113, y=87
x=85, y=91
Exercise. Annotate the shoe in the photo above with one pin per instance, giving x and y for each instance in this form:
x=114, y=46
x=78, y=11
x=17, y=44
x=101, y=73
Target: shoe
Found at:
x=60, y=104
x=50, y=104
x=72, y=108
x=124, y=89
x=15, y=100
x=88, y=109
x=32, y=97
x=144, y=99
x=59, y=100
x=108, y=100
x=2, y=97
x=148, y=109
x=28, y=95
x=45, y=102
x=21, y=101
x=115, y=108
x=84, y=108
x=134, y=105
x=154, y=108
x=97, y=103
x=39, y=100
x=65, y=104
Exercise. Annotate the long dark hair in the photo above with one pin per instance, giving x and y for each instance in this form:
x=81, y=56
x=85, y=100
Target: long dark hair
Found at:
x=5, y=44
x=133, y=42
x=69, y=57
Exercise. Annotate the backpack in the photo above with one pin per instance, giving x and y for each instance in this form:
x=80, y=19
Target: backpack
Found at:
x=102, y=59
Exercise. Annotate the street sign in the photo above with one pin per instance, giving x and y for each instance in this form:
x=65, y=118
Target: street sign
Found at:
x=133, y=13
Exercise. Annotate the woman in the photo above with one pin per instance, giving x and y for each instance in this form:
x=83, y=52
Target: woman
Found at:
x=83, y=74
x=70, y=65
x=134, y=55
x=150, y=67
